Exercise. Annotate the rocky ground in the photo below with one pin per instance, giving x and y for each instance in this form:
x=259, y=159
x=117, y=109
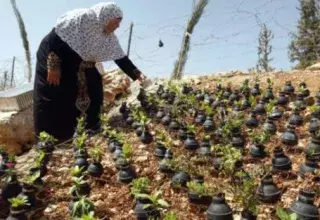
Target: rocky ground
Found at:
x=113, y=200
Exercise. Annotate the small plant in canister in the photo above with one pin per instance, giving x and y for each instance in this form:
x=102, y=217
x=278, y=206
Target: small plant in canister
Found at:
x=80, y=187
x=46, y=142
x=150, y=206
x=200, y=193
x=145, y=136
x=77, y=171
x=140, y=186
x=18, y=208
x=29, y=188
x=95, y=168
x=11, y=187
x=244, y=194
x=259, y=139
x=84, y=206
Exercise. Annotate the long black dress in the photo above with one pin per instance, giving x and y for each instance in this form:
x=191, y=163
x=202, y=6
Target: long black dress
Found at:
x=56, y=108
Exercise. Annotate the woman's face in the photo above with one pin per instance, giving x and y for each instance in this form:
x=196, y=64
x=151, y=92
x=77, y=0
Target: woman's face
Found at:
x=112, y=25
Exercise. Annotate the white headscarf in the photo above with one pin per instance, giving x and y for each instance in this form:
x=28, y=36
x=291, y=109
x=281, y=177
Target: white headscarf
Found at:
x=83, y=31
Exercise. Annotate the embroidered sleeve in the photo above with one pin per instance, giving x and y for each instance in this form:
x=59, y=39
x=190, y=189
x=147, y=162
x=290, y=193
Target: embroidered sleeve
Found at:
x=126, y=65
x=53, y=61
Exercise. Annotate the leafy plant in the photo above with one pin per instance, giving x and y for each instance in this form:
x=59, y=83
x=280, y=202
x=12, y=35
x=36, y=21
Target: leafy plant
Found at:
x=230, y=157
x=11, y=158
x=30, y=179
x=270, y=83
x=269, y=107
x=19, y=202
x=314, y=108
x=96, y=154
x=144, y=121
x=39, y=159
x=10, y=176
x=233, y=123
x=245, y=86
x=82, y=207
x=244, y=194
x=156, y=201
x=191, y=128
x=47, y=138
x=283, y=215
x=140, y=186
x=2, y=149
x=170, y=216
x=201, y=189
x=260, y=138
x=80, y=125
x=77, y=183
x=127, y=151
x=76, y=171
x=80, y=141
x=253, y=101
x=89, y=216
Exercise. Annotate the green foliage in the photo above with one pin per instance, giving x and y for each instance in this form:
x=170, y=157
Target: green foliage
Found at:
x=10, y=176
x=89, y=216
x=252, y=100
x=156, y=201
x=76, y=171
x=245, y=86
x=314, y=108
x=11, y=158
x=269, y=107
x=244, y=194
x=96, y=153
x=47, y=138
x=270, y=83
x=127, y=151
x=19, y=202
x=229, y=155
x=80, y=125
x=202, y=189
x=260, y=138
x=140, y=186
x=283, y=215
x=76, y=183
x=2, y=148
x=39, y=159
x=82, y=207
x=30, y=179
x=304, y=46
x=170, y=216
x=191, y=128
x=80, y=141
x=230, y=124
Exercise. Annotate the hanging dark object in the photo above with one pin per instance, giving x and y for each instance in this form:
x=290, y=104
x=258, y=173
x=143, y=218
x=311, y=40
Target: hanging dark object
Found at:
x=160, y=43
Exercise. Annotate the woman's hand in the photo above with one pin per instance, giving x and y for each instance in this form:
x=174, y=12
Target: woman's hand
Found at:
x=53, y=77
x=142, y=78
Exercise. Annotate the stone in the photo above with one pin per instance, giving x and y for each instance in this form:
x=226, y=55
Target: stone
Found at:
x=16, y=131
x=142, y=158
x=315, y=66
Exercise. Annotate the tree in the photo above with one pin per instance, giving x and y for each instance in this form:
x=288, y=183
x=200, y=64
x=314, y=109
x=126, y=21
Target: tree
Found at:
x=185, y=46
x=24, y=37
x=264, y=49
x=305, y=44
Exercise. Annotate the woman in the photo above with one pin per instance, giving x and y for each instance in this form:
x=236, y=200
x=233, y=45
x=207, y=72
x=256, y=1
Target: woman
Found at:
x=67, y=84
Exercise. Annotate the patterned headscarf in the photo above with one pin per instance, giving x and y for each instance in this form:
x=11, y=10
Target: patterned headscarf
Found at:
x=83, y=31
